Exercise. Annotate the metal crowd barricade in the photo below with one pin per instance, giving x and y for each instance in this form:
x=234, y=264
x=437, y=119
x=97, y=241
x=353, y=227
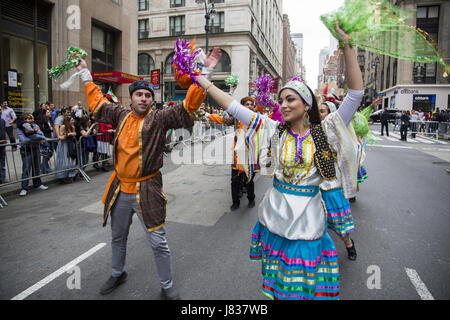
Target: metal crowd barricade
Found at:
x=27, y=163
x=429, y=128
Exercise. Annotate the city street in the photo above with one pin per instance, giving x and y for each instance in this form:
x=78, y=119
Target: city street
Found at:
x=401, y=237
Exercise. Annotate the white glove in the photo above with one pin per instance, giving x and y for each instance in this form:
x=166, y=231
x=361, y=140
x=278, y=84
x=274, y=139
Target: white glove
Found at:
x=85, y=75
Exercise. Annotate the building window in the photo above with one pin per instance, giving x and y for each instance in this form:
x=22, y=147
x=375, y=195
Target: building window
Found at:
x=218, y=23
x=427, y=20
x=102, y=49
x=224, y=64
x=145, y=64
x=18, y=66
x=143, y=29
x=177, y=3
x=177, y=26
x=143, y=5
x=24, y=54
x=168, y=65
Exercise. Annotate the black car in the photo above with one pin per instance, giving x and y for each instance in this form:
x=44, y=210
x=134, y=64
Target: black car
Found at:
x=375, y=117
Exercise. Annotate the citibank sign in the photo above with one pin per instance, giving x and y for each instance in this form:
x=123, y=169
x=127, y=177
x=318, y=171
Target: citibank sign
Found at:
x=430, y=98
x=407, y=91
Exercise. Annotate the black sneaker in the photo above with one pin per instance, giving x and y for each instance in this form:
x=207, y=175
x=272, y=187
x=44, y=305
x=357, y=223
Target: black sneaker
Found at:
x=352, y=252
x=251, y=203
x=113, y=283
x=352, y=199
x=170, y=294
x=235, y=206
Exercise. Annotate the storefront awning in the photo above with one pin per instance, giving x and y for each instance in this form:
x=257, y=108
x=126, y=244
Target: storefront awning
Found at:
x=116, y=77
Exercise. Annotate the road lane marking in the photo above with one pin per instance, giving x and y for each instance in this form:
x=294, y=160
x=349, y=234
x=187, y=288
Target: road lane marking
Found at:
x=424, y=141
x=391, y=139
x=57, y=273
x=395, y=135
x=418, y=284
x=388, y=146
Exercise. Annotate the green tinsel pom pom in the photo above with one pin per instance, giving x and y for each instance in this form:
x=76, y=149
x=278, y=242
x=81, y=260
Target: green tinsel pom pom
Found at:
x=71, y=61
x=232, y=81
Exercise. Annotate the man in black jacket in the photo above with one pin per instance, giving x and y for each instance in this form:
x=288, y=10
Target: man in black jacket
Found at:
x=404, y=124
x=384, y=122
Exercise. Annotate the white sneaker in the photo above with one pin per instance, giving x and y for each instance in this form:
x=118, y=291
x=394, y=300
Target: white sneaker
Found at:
x=23, y=193
x=42, y=187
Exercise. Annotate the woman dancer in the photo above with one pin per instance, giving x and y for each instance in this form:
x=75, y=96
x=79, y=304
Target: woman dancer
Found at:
x=299, y=259
x=339, y=213
x=360, y=124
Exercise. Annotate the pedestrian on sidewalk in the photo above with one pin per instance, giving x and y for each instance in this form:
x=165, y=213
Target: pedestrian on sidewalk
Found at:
x=136, y=184
x=398, y=115
x=384, y=118
x=66, y=155
x=31, y=161
x=414, y=123
x=299, y=259
x=404, y=124
x=442, y=119
x=105, y=131
x=45, y=122
x=85, y=129
x=10, y=117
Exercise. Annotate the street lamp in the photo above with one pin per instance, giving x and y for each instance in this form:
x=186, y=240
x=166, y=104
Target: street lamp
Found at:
x=210, y=13
x=375, y=65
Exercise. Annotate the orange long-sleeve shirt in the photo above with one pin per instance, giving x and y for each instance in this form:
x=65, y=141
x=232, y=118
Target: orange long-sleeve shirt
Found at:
x=127, y=146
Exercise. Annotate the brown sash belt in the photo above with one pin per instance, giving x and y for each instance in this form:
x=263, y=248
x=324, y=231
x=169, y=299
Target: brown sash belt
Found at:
x=127, y=180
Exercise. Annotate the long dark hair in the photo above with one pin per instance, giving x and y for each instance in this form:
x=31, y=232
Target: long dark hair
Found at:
x=313, y=112
x=325, y=164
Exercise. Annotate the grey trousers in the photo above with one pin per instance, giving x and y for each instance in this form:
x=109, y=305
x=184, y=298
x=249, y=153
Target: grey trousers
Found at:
x=121, y=218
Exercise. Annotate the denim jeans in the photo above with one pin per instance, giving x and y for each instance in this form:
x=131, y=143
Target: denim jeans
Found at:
x=10, y=132
x=31, y=159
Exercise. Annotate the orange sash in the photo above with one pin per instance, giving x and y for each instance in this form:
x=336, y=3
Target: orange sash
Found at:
x=128, y=180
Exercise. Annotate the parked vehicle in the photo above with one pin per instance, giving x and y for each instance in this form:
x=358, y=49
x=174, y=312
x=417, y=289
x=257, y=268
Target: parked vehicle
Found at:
x=375, y=117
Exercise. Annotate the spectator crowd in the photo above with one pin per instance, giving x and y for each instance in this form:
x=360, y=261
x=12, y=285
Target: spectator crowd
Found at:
x=60, y=140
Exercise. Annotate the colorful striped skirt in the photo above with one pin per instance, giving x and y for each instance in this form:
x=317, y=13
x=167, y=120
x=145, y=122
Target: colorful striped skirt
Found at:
x=339, y=213
x=362, y=174
x=296, y=269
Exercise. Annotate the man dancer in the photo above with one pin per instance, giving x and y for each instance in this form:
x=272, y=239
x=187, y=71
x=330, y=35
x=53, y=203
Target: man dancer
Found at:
x=136, y=184
x=239, y=178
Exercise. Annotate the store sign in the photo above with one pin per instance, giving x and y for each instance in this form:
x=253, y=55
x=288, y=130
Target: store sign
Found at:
x=424, y=98
x=155, y=76
x=115, y=77
x=12, y=79
x=407, y=91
